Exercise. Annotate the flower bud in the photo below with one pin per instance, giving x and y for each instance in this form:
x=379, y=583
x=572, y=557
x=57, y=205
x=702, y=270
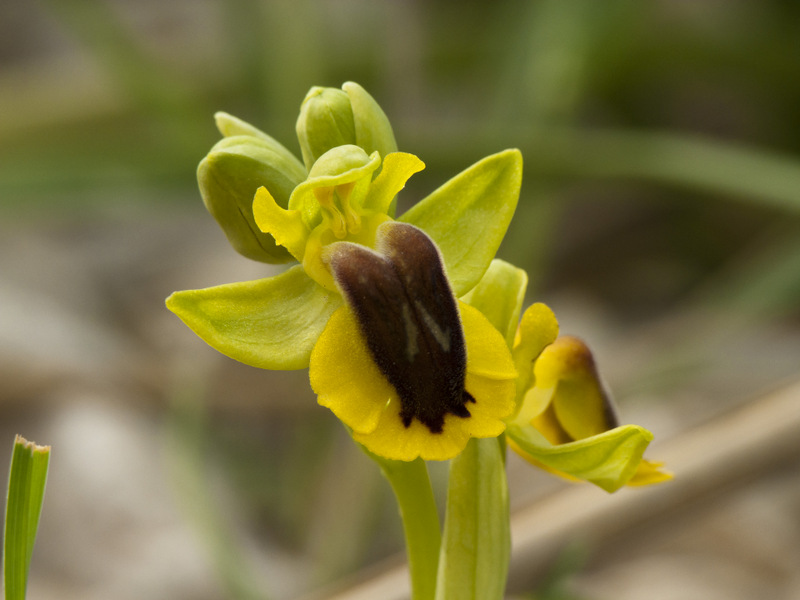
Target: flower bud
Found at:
x=330, y=118
x=230, y=175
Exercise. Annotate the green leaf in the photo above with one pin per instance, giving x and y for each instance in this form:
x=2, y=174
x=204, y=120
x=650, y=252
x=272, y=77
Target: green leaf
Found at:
x=269, y=323
x=499, y=296
x=468, y=216
x=760, y=177
x=607, y=460
x=476, y=547
x=26, y=485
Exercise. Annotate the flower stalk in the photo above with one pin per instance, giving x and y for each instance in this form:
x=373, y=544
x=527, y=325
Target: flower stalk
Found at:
x=412, y=489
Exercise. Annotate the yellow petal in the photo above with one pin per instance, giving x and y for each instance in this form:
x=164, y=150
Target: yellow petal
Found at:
x=344, y=376
x=397, y=168
x=548, y=425
x=537, y=329
x=582, y=405
x=534, y=402
x=648, y=473
x=487, y=352
x=286, y=226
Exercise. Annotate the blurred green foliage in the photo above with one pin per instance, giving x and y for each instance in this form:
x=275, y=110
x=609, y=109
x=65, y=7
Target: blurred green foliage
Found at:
x=672, y=111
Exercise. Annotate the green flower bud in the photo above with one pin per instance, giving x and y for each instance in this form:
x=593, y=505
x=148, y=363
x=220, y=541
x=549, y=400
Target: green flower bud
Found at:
x=325, y=122
x=330, y=118
x=373, y=130
x=230, y=175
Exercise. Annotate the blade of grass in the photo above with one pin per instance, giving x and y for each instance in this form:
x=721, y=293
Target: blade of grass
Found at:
x=762, y=177
x=26, y=484
x=757, y=176
x=761, y=282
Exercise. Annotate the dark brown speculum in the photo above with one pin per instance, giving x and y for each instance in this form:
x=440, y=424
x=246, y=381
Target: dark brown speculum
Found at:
x=409, y=318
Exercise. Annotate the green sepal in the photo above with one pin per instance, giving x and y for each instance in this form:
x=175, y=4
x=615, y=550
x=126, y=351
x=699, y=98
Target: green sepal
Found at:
x=229, y=177
x=499, y=296
x=476, y=546
x=468, y=216
x=608, y=460
x=269, y=323
x=26, y=485
x=229, y=126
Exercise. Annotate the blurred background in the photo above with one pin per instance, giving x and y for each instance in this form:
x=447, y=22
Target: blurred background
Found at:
x=659, y=218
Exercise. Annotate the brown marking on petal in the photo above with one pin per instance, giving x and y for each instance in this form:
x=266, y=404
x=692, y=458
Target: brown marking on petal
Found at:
x=409, y=318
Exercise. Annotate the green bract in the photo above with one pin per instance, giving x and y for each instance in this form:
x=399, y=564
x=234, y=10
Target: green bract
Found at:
x=499, y=295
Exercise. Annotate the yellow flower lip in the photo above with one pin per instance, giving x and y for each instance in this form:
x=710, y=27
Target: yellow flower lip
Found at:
x=408, y=317
x=410, y=370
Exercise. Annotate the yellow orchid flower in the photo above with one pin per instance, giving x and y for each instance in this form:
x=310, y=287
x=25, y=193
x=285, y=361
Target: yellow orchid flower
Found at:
x=566, y=421
x=411, y=371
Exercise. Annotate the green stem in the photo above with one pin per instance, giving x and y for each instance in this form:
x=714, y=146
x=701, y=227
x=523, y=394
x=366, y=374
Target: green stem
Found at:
x=412, y=488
